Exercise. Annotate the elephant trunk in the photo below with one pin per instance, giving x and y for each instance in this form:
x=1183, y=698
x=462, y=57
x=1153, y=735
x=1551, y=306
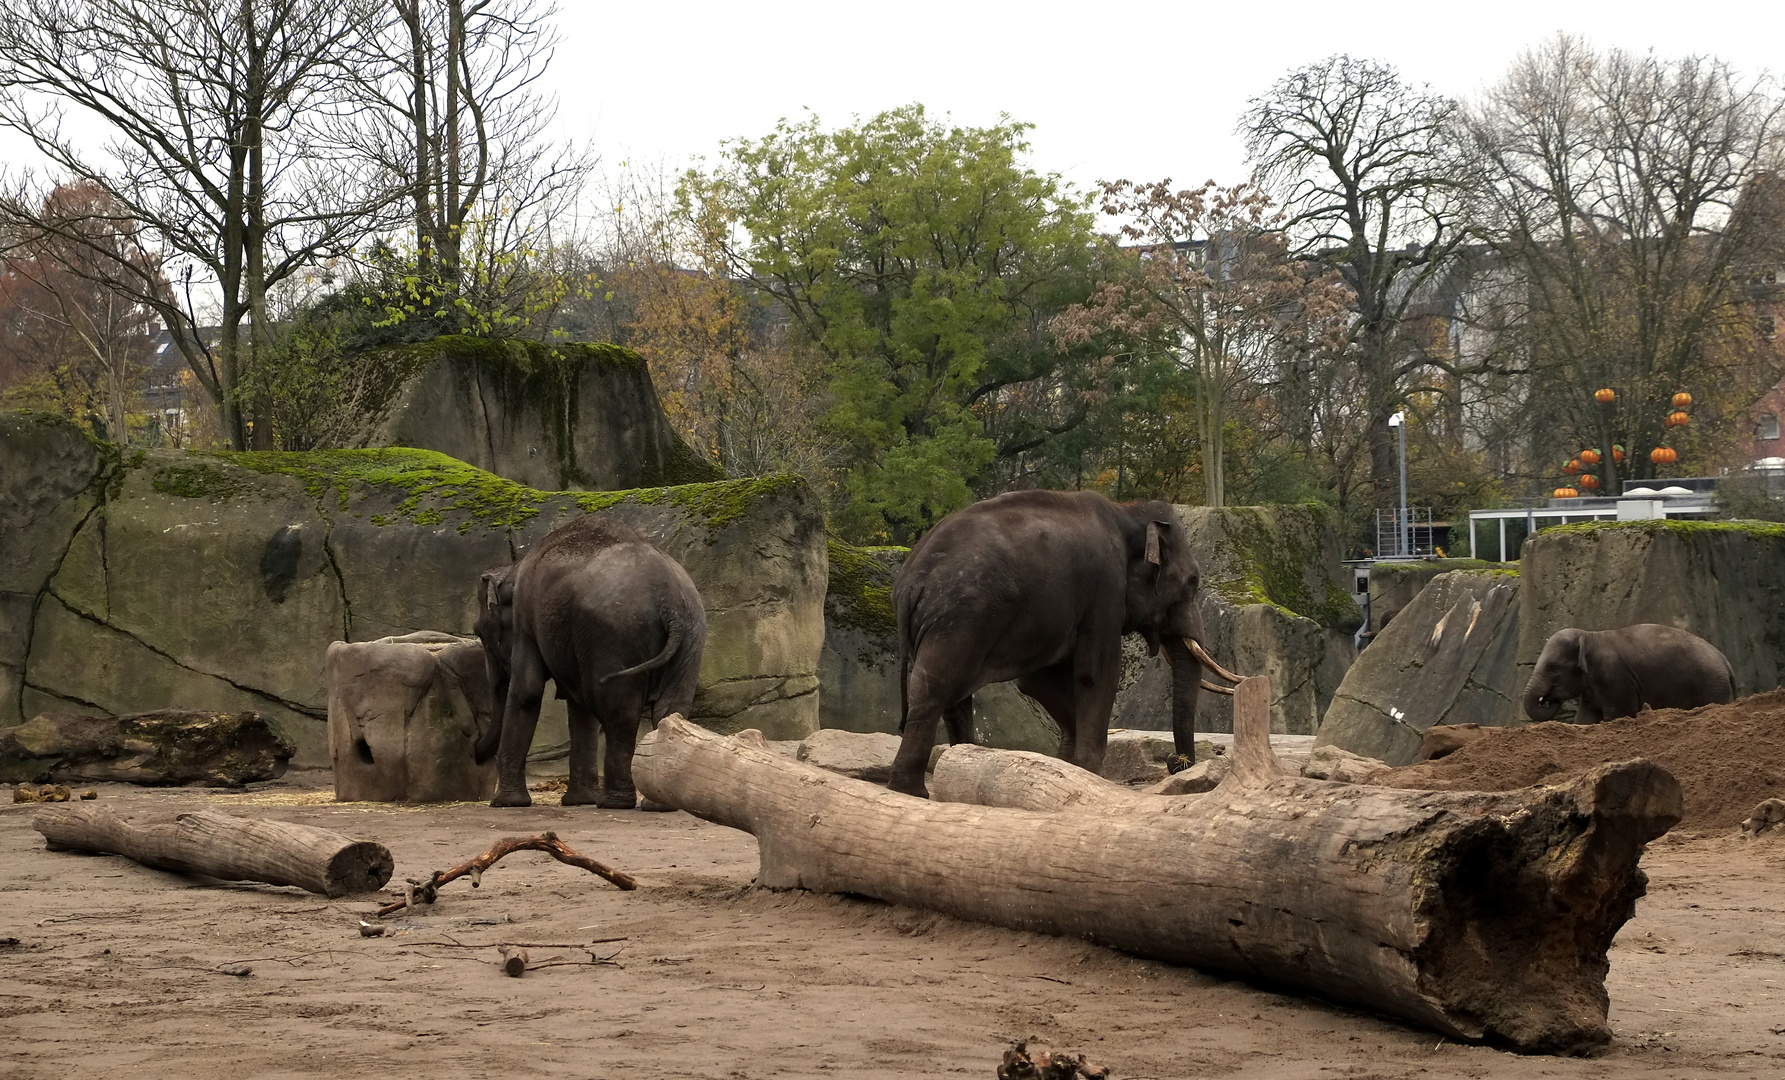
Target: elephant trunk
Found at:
x=492, y=736
x=1539, y=706
x=1186, y=686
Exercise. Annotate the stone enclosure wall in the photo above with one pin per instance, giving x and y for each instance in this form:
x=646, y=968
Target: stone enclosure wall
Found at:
x=146, y=579
x=1463, y=648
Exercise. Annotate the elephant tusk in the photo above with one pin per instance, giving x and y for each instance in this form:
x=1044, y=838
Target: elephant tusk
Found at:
x=1207, y=685
x=1208, y=661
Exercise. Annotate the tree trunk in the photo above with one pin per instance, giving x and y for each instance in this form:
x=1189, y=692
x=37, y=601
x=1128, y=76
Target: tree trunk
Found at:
x=1485, y=916
x=222, y=846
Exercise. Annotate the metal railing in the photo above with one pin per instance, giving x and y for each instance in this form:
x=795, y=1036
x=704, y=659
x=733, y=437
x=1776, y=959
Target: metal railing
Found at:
x=1405, y=534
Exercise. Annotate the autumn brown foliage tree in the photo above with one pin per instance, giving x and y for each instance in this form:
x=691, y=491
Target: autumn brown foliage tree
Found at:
x=69, y=342
x=1212, y=286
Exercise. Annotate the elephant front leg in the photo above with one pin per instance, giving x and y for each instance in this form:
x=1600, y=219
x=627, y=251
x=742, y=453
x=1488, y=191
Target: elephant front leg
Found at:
x=526, y=689
x=584, y=786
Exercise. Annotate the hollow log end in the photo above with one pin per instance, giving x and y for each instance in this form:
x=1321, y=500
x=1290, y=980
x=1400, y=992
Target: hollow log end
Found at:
x=360, y=867
x=1559, y=876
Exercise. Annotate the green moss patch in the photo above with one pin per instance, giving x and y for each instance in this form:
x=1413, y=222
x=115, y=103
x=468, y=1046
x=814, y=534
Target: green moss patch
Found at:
x=1277, y=551
x=1770, y=530
x=859, y=594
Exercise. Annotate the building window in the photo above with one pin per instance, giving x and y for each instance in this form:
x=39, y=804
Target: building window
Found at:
x=1768, y=327
x=1769, y=426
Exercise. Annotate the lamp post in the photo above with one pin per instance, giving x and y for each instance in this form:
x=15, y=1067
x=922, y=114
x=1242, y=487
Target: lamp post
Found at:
x=1399, y=422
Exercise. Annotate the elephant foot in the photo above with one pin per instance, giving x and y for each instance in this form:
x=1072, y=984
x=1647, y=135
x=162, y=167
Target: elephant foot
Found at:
x=512, y=798
x=652, y=806
x=580, y=798
x=618, y=800
x=915, y=789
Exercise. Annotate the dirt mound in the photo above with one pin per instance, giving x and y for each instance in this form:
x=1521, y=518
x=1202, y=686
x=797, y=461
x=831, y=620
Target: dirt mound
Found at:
x=1728, y=758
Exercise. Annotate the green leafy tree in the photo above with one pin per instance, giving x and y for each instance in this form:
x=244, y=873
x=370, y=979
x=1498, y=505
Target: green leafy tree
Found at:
x=925, y=261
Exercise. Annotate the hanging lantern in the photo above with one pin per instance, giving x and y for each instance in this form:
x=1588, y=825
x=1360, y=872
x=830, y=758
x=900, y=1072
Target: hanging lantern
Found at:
x=1664, y=455
x=1678, y=419
x=1566, y=493
x=1681, y=400
x=1589, y=481
x=1571, y=468
x=1589, y=457
x=1617, y=453
x=1606, y=396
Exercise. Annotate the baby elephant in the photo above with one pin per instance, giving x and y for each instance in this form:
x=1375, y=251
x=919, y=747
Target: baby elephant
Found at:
x=1619, y=672
x=616, y=624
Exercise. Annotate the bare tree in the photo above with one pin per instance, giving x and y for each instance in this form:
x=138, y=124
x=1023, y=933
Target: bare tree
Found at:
x=1367, y=169
x=1625, y=193
x=457, y=121
x=224, y=141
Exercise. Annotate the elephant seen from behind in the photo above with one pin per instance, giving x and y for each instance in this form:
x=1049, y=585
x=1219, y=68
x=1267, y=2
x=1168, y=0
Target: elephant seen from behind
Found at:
x=616, y=624
x=1040, y=587
x=1620, y=672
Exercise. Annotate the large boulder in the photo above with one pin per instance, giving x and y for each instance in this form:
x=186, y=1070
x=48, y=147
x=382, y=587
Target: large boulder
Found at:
x=167, y=746
x=556, y=417
x=51, y=476
x=218, y=580
x=1721, y=580
x=1449, y=657
x=1395, y=585
x=404, y=714
x=1276, y=601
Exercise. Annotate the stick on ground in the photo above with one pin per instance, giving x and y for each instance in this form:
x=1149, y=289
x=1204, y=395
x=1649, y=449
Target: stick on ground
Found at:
x=424, y=892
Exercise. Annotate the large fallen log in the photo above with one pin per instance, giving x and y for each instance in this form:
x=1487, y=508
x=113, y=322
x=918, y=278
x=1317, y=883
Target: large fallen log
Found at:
x=224, y=846
x=1485, y=916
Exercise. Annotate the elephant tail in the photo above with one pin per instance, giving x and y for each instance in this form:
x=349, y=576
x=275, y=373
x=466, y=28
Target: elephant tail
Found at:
x=670, y=648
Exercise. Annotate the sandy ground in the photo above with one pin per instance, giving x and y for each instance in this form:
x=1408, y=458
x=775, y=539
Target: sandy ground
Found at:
x=115, y=970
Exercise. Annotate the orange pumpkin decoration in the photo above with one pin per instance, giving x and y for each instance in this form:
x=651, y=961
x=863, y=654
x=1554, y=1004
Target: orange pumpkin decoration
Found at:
x=1571, y=468
x=1589, y=457
x=1664, y=455
x=1589, y=481
x=1606, y=396
x=1566, y=493
x=1617, y=453
x=1678, y=419
x=1681, y=400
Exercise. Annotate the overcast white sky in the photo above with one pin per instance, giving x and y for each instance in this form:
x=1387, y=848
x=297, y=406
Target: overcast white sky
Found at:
x=1137, y=90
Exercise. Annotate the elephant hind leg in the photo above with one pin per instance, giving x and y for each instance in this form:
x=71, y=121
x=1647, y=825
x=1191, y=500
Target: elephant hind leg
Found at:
x=959, y=718
x=1051, y=687
x=584, y=787
x=620, y=717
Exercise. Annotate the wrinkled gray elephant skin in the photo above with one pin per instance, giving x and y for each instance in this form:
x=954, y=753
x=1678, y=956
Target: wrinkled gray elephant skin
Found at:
x=1040, y=587
x=616, y=624
x=1620, y=672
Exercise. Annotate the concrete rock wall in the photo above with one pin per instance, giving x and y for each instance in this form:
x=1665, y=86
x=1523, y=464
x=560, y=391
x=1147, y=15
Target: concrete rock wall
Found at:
x=566, y=417
x=1721, y=580
x=166, y=578
x=1449, y=657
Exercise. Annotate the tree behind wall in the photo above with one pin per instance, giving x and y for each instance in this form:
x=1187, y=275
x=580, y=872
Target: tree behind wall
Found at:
x=225, y=131
x=1368, y=171
x=924, y=262
x=68, y=342
x=1627, y=194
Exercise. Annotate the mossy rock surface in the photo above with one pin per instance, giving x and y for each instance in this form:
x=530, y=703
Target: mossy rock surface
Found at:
x=217, y=580
x=554, y=416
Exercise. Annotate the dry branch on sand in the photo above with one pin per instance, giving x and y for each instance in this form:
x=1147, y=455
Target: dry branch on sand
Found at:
x=424, y=892
x=224, y=846
x=1483, y=916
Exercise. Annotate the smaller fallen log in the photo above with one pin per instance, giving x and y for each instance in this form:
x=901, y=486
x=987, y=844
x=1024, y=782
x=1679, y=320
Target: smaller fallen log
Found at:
x=514, y=961
x=1023, y=780
x=224, y=846
x=424, y=892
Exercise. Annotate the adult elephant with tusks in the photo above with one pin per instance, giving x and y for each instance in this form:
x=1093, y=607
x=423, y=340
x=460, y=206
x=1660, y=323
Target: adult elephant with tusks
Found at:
x=1039, y=587
x=1618, y=672
x=616, y=624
